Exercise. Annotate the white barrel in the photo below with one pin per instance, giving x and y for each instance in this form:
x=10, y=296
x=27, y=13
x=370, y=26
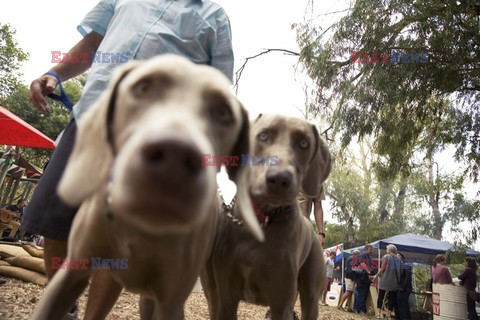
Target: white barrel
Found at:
x=334, y=295
x=449, y=302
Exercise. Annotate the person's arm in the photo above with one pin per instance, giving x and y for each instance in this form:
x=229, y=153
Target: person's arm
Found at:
x=318, y=215
x=45, y=84
x=463, y=275
x=382, y=267
x=447, y=274
x=221, y=47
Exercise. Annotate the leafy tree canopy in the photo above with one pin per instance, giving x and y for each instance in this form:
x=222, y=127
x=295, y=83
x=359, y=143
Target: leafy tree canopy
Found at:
x=399, y=102
x=11, y=57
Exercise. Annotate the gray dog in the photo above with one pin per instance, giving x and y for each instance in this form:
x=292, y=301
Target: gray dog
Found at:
x=291, y=258
x=147, y=200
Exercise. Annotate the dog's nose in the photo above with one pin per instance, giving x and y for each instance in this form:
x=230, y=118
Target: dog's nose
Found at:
x=172, y=160
x=279, y=181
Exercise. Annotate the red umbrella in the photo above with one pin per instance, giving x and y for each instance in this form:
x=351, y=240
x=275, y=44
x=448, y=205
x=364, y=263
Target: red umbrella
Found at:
x=16, y=132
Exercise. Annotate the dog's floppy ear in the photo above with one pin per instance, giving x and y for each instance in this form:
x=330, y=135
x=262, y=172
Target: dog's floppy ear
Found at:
x=319, y=168
x=91, y=160
x=239, y=175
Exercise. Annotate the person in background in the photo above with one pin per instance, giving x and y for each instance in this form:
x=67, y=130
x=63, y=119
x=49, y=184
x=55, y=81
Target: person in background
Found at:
x=389, y=277
x=198, y=30
x=469, y=280
x=19, y=207
x=363, y=281
x=350, y=277
x=16, y=212
x=402, y=310
x=440, y=273
x=330, y=266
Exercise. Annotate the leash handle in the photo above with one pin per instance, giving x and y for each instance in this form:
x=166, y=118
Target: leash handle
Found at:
x=63, y=96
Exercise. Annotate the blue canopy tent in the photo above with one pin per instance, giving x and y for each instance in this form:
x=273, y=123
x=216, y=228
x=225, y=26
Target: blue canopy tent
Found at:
x=418, y=249
x=414, y=246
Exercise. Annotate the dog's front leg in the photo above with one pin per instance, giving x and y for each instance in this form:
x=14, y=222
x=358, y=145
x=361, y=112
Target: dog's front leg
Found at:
x=60, y=295
x=151, y=309
x=282, y=304
x=147, y=308
x=226, y=305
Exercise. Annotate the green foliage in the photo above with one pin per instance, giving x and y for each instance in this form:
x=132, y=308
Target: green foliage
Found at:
x=50, y=124
x=367, y=208
x=401, y=104
x=335, y=234
x=11, y=57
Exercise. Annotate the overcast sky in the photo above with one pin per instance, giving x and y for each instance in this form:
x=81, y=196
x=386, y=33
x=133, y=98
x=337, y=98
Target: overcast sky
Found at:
x=269, y=84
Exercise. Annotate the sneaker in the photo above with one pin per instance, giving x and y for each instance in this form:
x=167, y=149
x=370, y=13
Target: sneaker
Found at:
x=350, y=310
x=3, y=281
x=340, y=308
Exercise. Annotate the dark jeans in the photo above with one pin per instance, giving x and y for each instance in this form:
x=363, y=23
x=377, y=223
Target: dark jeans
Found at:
x=472, y=313
x=361, y=295
x=402, y=309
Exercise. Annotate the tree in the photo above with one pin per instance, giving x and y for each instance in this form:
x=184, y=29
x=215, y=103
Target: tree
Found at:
x=364, y=205
x=391, y=100
x=11, y=57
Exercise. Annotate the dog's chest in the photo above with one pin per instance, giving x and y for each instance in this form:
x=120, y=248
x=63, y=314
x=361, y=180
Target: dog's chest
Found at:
x=259, y=267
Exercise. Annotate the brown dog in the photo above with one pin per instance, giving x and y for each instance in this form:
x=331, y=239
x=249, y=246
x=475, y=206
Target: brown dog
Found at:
x=291, y=258
x=147, y=200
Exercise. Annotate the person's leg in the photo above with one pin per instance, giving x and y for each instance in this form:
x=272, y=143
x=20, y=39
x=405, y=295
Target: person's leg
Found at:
x=347, y=297
x=391, y=302
x=361, y=298
x=104, y=292
x=326, y=289
x=356, y=294
x=349, y=287
x=402, y=310
x=349, y=301
x=324, y=293
x=14, y=226
x=472, y=312
x=365, y=290
x=408, y=315
x=381, y=297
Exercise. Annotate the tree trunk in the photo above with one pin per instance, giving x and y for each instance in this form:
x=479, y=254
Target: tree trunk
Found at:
x=433, y=199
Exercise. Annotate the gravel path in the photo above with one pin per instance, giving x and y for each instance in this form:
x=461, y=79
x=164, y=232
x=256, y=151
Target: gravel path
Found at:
x=18, y=298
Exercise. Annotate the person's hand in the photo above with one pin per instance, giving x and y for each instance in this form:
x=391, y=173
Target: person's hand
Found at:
x=39, y=89
x=321, y=238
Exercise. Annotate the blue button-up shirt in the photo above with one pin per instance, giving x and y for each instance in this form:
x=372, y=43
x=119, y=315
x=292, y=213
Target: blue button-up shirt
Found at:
x=141, y=29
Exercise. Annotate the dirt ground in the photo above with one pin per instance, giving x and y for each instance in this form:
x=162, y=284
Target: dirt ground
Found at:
x=18, y=298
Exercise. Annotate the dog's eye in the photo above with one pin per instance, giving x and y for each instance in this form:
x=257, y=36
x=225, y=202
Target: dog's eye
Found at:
x=142, y=87
x=303, y=144
x=222, y=114
x=263, y=136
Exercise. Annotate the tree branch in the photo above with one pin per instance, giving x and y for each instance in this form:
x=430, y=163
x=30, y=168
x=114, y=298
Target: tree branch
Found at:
x=238, y=73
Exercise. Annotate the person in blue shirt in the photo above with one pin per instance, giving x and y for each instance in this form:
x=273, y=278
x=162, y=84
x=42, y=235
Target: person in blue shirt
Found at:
x=350, y=278
x=19, y=207
x=363, y=281
x=116, y=31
